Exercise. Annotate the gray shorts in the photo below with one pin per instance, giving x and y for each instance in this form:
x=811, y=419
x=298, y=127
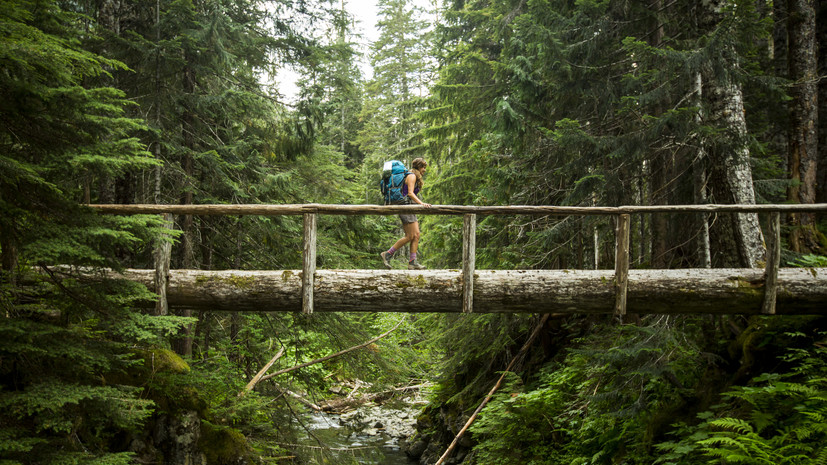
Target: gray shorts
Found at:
x=408, y=218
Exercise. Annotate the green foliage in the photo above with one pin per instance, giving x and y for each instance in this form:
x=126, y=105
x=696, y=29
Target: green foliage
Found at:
x=223, y=445
x=54, y=393
x=395, y=94
x=777, y=418
x=595, y=402
x=469, y=365
x=811, y=261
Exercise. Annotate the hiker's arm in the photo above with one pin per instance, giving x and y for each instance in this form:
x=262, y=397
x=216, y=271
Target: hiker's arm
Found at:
x=410, y=180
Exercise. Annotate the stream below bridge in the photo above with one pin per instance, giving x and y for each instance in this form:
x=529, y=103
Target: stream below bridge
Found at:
x=370, y=434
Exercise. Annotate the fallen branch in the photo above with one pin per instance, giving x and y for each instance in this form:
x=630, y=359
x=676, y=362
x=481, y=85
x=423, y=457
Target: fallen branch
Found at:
x=346, y=403
x=494, y=389
x=249, y=387
x=358, y=385
x=328, y=357
x=301, y=399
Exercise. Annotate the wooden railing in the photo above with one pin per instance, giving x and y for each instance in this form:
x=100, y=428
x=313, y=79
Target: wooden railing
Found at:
x=622, y=239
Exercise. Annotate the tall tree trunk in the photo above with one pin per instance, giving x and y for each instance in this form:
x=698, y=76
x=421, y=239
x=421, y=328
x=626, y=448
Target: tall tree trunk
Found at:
x=235, y=318
x=803, y=141
x=109, y=20
x=731, y=176
x=821, y=34
x=163, y=249
x=184, y=346
x=158, y=88
x=699, y=186
x=660, y=174
x=737, y=237
x=8, y=250
x=643, y=239
x=161, y=257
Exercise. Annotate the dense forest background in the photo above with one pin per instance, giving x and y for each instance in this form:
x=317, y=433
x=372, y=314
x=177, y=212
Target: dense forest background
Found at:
x=512, y=102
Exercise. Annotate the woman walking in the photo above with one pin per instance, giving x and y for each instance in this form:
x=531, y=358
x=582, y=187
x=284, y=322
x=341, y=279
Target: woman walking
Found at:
x=410, y=224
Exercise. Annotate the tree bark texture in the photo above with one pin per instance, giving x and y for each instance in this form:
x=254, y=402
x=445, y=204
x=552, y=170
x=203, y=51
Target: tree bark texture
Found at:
x=699, y=184
x=469, y=257
x=161, y=256
x=308, y=263
x=718, y=291
x=821, y=38
x=730, y=175
x=803, y=139
x=621, y=277
x=773, y=264
x=736, y=238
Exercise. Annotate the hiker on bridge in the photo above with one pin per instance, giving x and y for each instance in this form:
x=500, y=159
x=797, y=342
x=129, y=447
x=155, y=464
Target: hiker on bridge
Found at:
x=410, y=224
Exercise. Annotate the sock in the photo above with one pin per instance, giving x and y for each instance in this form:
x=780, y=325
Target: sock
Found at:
x=412, y=257
x=391, y=251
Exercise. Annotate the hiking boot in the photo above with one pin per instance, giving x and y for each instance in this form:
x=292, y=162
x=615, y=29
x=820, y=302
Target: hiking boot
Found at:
x=386, y=259
x=414, y=265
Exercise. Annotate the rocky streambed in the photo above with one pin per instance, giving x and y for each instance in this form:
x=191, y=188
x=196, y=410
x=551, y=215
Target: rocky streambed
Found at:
x=372, y=420
x=372, y=433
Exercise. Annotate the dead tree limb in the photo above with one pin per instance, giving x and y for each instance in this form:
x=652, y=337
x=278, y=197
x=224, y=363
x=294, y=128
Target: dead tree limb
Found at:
x=328, y=357
x=494, y=389
x=299, y=398
x=257, y=377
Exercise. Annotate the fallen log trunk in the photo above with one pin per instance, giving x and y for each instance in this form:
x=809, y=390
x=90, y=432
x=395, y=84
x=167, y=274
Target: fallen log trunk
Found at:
x=723, y=291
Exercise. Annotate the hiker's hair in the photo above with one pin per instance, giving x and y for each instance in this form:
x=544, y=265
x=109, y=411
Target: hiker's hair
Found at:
x=416, y=167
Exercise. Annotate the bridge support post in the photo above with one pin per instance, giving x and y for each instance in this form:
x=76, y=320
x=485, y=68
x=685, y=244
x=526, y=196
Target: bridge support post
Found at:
x=469, y=247
x=621, y=263
x=308, y=262
x=773, y=263
x=161, y=256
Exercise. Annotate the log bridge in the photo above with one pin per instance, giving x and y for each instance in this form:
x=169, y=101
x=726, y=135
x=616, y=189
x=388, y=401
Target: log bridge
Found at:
x=769, y=290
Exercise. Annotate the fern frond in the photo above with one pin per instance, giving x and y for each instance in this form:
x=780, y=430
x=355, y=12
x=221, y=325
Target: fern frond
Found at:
x=734, y=424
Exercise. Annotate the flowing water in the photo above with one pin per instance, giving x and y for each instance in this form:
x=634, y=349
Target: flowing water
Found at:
x=345, y=445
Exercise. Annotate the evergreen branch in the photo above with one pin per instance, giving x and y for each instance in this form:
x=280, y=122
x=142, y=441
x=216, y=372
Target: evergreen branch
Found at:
x=521, y=353
x=328, y=357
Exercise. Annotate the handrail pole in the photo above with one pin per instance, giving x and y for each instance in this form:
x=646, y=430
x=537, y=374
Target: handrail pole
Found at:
x=773, y=263
x=336, y=209
x=621, y=263
x=469, y=245
x=308, y=262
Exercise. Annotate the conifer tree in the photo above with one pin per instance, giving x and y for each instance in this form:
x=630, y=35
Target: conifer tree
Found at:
x=803, y=152
x=59, y=130
x=332, y=81
x=395, y=94
x=597, y=102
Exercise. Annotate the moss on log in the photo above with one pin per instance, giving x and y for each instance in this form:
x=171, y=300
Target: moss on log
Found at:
x=724, y=291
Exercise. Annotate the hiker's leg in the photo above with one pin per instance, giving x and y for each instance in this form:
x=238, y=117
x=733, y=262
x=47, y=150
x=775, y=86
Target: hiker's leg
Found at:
x=412, y=232
x=413, y=263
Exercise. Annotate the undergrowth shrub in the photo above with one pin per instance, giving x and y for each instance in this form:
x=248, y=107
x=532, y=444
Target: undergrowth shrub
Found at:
x=594, y=404
x=777, y=418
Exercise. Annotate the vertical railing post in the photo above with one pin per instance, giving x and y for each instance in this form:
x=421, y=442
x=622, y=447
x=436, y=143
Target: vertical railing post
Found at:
x=621, y=263
x=161, y=256
x=773, y=262
x=469, y=246
x=308, y=262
